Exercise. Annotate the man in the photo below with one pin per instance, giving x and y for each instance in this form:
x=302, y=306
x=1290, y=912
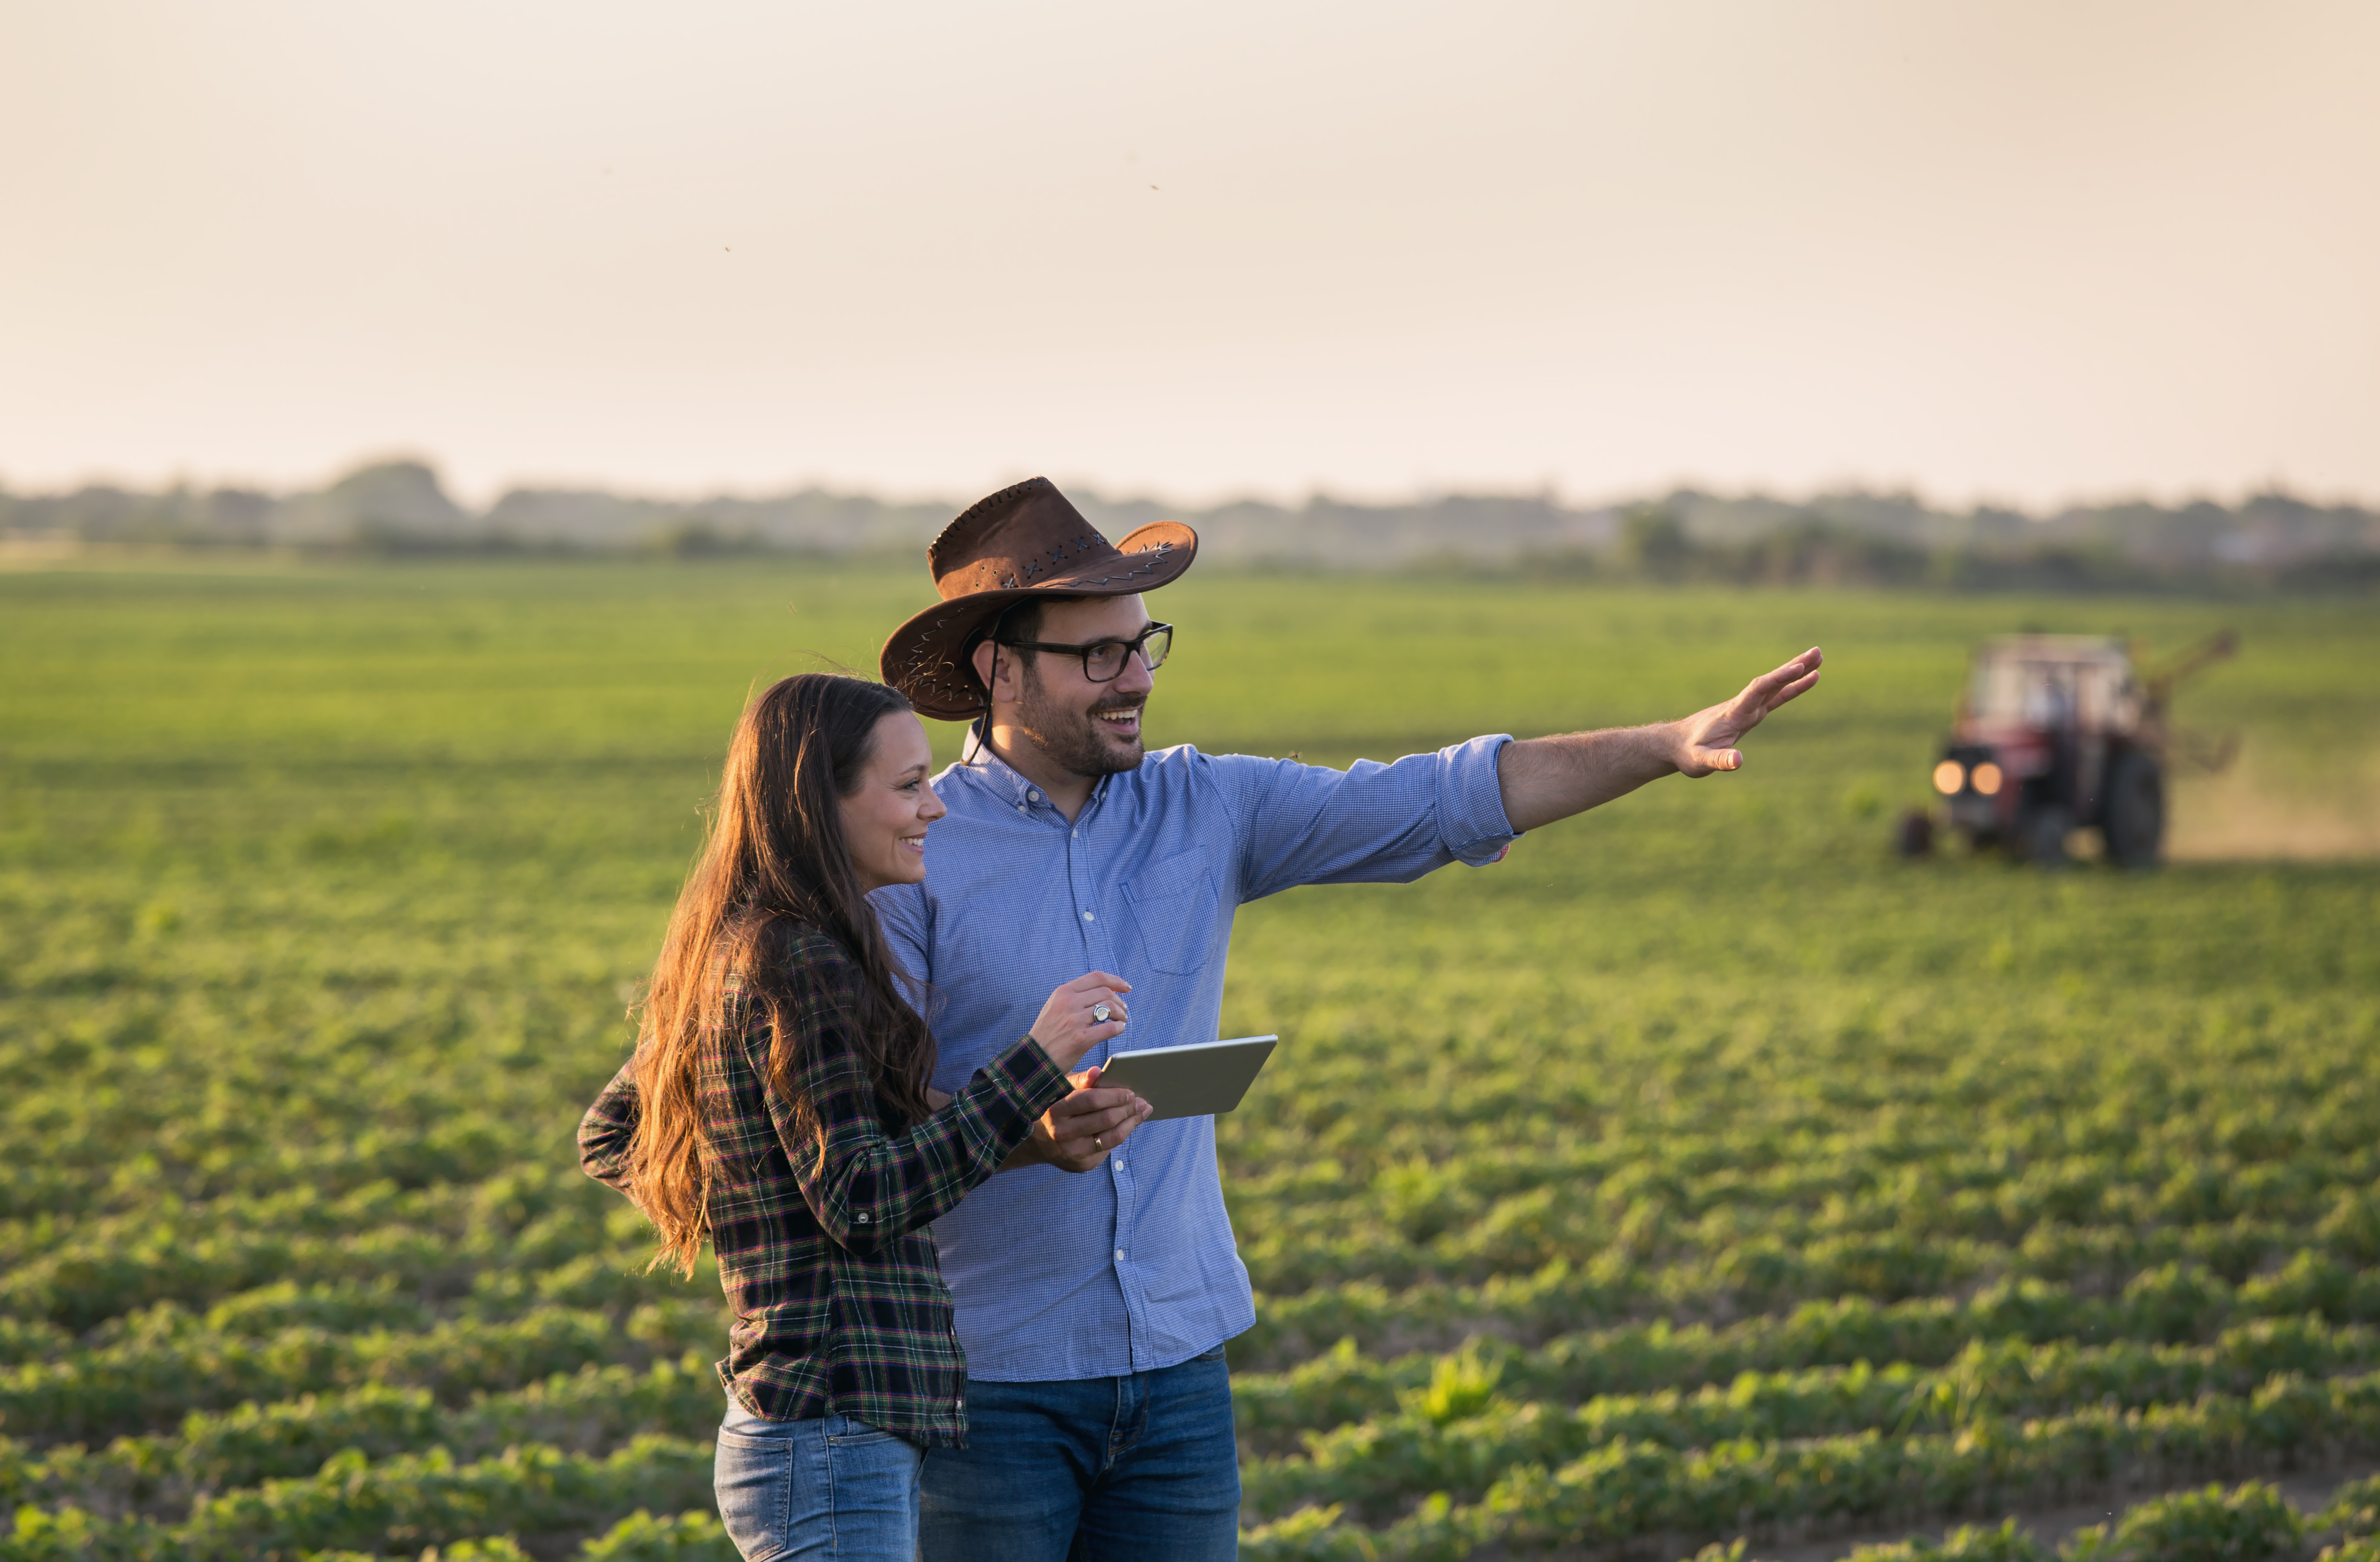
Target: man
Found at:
x=1096, y=1276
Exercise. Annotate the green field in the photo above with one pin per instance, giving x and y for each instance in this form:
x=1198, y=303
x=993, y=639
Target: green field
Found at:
x=1699, y=1171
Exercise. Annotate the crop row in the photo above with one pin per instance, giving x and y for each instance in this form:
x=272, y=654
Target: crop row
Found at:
x=400, y=1275
x=1989, y=1104
x=73, y=1536
x=1956, y=1210
x=91, y=1277
x=1459, y=1432
x=1413, y=1222
x=2250, y=1522
x=2168, y=1300
x=587, y=1411
x=1628, y=1494
x=1991, y=1181
x=1613, y=1188
x=1763, y=1263
x=164, y=1363
x=147, y=1382
x=408, y=1502
x=1343, y=1385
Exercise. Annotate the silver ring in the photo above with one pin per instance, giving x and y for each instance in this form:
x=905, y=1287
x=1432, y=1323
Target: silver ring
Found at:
x=1099, y=1013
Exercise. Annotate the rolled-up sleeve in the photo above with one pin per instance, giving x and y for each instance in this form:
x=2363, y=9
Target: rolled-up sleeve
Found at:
x=1369, y=823
x=1471, y=801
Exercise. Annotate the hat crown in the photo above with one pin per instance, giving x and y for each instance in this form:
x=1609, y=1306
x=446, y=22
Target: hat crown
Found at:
x=1023, y=541
x=1018, y=538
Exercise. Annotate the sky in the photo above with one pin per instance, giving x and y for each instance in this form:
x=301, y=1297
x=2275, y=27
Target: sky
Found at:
x=2010, y=252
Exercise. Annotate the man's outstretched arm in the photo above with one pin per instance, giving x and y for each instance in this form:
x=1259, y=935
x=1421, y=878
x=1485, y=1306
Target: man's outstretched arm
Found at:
x=1544, y=779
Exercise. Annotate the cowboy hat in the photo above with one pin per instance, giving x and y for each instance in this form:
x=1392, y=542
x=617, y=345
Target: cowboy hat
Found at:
x=1023, y=541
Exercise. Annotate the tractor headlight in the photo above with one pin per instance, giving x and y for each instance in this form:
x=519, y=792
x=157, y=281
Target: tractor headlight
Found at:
x=1987, y=779
x=1948, y=776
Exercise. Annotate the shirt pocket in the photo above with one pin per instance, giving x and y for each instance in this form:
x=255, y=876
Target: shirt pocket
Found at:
x=1173, y=912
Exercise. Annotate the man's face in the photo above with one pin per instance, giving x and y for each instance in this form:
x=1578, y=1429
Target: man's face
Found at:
x=1089, y=728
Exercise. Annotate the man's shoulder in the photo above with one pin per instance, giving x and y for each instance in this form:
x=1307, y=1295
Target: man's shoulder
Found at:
x=1185, y=762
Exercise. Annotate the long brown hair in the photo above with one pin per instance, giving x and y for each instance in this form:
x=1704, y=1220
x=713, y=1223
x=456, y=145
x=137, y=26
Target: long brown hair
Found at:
x=774, y=857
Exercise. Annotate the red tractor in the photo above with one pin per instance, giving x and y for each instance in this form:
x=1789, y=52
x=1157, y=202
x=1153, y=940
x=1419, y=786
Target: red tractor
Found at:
x=2057, y=733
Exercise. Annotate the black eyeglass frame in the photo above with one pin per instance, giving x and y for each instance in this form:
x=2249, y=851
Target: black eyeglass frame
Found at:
x=1134, y=647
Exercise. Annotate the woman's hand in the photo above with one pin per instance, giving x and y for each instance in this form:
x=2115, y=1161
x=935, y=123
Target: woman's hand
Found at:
x=1084, y=1128
x=1072, y=1022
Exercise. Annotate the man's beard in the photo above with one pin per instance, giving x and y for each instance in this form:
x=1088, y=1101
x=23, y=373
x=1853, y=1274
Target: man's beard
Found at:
x=1076, y=740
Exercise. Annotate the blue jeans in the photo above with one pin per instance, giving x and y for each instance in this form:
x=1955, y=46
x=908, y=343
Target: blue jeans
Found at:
x=1138, y=1469
x=826, y=1487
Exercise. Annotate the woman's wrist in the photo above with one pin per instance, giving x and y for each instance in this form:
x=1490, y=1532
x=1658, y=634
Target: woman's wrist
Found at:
x=1063, y=1064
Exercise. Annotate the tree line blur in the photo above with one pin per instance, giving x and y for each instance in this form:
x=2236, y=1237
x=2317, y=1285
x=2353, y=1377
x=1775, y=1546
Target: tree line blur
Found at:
x=2269, y=542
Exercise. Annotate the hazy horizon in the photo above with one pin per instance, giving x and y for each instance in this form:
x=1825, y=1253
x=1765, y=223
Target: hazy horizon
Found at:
x=2034, y=255
x=486, y=496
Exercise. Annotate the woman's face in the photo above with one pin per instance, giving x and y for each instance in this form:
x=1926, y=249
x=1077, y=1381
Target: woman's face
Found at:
x=884, y=821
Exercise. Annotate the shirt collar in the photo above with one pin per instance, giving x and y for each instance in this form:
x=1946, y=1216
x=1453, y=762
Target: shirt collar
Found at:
x=976, y=755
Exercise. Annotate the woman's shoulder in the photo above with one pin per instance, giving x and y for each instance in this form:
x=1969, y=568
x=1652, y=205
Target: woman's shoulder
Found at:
x=785, y=954
x=807, y=952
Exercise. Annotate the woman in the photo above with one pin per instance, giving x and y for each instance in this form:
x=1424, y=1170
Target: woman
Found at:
x=778, y=1105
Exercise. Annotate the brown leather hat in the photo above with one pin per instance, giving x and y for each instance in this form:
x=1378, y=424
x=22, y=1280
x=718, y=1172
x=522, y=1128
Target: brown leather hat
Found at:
x=1024, y=540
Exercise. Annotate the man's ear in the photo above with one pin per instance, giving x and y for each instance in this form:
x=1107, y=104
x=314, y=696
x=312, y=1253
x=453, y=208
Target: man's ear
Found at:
x=983, y=663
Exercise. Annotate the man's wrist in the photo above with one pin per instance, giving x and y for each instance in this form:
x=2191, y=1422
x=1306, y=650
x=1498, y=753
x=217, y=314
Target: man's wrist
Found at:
x=1669, y=743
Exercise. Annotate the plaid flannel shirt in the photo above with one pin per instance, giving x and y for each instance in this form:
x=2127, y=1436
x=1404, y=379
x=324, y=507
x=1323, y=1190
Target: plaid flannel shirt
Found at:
x=839, y=1301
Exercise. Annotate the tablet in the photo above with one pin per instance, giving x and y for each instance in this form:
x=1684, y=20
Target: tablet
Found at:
x=1198, y=1080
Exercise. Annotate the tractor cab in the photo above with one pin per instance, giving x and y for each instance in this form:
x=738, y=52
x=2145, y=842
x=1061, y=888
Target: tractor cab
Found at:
x=2055, y=733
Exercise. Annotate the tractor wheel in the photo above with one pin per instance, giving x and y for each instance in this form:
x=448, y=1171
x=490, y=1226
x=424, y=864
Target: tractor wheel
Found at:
x=2134, y=811
x=1914, y=836
x=2040, y=836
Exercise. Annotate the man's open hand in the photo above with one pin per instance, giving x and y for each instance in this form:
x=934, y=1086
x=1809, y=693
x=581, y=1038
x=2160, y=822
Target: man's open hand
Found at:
x=1706, y=741
x=1543, y=779
x=1084, y=1128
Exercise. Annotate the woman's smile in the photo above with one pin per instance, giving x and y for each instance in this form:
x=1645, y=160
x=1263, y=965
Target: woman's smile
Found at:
x=885, y=821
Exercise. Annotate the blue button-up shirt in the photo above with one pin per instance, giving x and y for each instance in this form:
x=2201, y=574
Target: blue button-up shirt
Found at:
x=1131, y=1267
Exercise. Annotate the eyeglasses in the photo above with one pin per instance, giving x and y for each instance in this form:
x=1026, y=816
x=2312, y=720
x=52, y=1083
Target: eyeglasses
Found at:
x=1103, y=660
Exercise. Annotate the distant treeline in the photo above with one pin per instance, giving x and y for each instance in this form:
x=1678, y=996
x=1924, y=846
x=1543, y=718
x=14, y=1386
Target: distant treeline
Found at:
x=2271, y=540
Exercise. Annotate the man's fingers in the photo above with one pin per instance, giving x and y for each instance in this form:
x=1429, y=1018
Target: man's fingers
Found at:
x=1795, y=690
x=1107, y=1126
x=1084, y=1144
x=1800, y=667
x=1132, y=1120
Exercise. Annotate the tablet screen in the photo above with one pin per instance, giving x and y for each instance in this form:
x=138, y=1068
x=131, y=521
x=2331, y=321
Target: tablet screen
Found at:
x=1193, y=1082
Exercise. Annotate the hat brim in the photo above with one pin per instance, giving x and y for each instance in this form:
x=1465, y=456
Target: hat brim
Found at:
x=926, y=658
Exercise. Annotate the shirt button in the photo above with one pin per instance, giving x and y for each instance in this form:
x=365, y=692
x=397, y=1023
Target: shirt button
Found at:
x=1089, y=917
x=1119, y=1255
x=1022, y=809
x=1033, y=796
x=959, y=1405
